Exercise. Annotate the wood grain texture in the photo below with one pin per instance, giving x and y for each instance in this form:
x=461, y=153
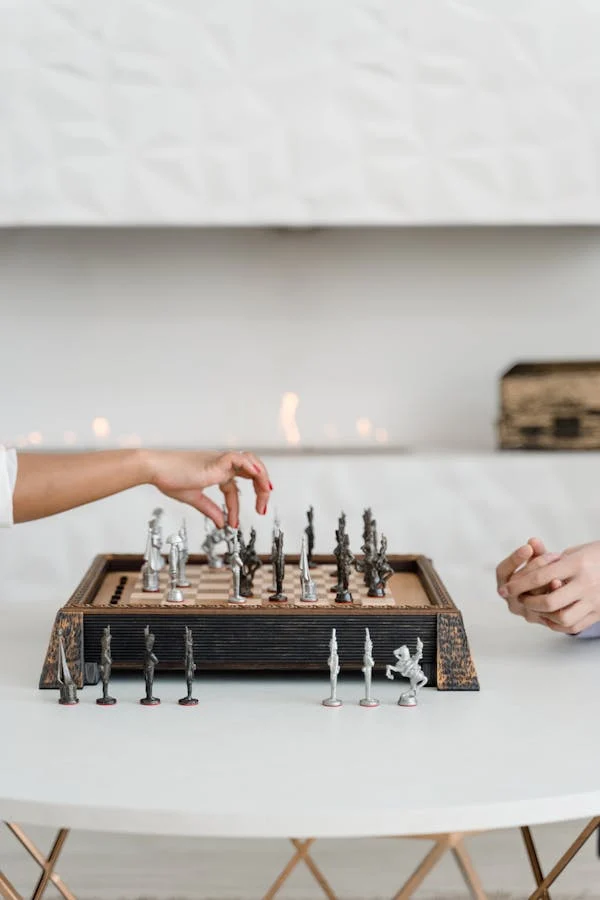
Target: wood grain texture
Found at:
x=72, y=628
x=455, y=667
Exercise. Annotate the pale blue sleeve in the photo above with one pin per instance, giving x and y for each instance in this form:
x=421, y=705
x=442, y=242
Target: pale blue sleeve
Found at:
x=8, y=478
x=592, y=632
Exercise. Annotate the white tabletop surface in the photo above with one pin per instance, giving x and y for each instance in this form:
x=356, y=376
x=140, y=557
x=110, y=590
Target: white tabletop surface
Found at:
x=264, y=758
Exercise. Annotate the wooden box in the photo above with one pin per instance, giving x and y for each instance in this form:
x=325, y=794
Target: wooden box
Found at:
x=260, y=635
x=550, y=406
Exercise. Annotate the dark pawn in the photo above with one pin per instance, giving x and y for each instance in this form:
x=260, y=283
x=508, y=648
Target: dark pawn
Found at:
x=279, y=562
x=346, y=559
x=190, y=668
x=310, y=536
x=150, y=661
x=105, y=669
x=380, y=571
x=250, y=564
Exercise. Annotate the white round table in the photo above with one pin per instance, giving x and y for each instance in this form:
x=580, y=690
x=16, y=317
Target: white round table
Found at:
x=261, y=757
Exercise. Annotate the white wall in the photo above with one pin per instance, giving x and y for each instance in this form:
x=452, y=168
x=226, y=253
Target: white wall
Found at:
x=192, y=337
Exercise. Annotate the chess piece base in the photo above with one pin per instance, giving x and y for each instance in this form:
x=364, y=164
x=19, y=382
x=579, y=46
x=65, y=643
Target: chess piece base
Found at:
x=181, y=584
x=407, y=700
x=188, y=701
x=215, y=564
x=309, y=599
x=149, y=701
x=69, y=702
x=369, y=702
x=238, y=599
x=379, y=591
x=278, y=598
x=175, y=596
x=343, y=597
x=68, y=695
x=106, y=701
x=331, y=701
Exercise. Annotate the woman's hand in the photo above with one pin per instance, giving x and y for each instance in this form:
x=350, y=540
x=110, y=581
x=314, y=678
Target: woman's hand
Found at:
x=564, y=592
x=525, y=559
x=184, y=475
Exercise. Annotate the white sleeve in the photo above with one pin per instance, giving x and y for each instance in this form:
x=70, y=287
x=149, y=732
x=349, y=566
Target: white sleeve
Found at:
x=8, y=478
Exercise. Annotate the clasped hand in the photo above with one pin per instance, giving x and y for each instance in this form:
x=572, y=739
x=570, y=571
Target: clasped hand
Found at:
x=558, y=590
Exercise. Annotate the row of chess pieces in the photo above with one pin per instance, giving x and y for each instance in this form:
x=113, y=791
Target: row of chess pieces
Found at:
x=242, y=559
x=406, y=665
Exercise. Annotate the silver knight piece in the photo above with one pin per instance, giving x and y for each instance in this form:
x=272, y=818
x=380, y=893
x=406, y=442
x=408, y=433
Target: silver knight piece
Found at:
x=68, y=688
x=235, y=564
x=214, y=538
x=183, y=557
x=174, y=594
x=153, y=561
x=368, y=663
x=334, y=671
x=408, y=666
x=308, y=589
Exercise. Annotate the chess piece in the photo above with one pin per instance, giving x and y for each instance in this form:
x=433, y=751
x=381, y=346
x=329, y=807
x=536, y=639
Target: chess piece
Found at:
x=408, y=666
x=369, y=549
x=157, y=532
x=68, y=689
x=235, y=564
x=345, y=561
x=274, y=536
x=309, y=531
x=105, y=668
x=308, y=592
x=150, y=661
x=367, y=668
x=279, y=570
x=250, y=564
x=213, y=539
x=380, y=571
x=184, y=553
x=190, y=668
x=334, y=670
x=153, y=561
x=174, y=594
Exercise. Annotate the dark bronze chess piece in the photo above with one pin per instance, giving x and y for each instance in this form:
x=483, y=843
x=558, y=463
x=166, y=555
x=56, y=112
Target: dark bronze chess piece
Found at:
x=105, y=669
x=369, y=549
x=68, y=688
x=346, y=559
x=190, y=668
x=380, y=571
x=150, y=661
x=310, y=536
x=250, y=564
x=279, y=569
x=339, y=540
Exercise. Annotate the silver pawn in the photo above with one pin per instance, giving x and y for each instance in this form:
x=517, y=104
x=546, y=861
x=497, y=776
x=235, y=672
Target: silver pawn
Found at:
x=153, y=561
x=408, y=666
x=368, y=663
x=308, y=589
x=174, y=594
x=156, y=521
x=213, y=538
x=183, y=557
x=334, y=670
x=235, y=564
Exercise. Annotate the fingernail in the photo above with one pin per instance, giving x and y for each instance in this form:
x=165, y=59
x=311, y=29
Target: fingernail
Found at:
x=270, y=486
x=503, y=592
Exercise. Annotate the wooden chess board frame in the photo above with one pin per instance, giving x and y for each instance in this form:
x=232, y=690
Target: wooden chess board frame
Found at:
x=261, y=635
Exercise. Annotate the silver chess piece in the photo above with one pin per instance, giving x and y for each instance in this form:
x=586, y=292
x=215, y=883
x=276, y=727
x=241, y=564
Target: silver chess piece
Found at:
x=408, y=666
x=334, y=671
x=174, y=594
x=235, y=564
x=308, y=592
x=156, y=519
x=184, y=553
x=214, y=538
x=153, y=560
x=68, y=688
x=368, y=663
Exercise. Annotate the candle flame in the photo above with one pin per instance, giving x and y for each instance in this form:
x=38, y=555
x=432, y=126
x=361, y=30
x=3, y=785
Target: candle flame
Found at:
x=101, y=427
x=287, y=417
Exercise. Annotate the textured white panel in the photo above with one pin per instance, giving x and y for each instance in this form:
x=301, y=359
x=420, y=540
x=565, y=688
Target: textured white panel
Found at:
x=301, y=112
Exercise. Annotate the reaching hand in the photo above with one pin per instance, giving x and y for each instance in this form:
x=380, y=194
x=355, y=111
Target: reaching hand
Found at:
x=531, y=557
x=575, y=604
x=184, y=475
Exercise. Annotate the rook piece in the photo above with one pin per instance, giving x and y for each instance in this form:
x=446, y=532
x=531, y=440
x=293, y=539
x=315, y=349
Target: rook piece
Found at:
x=150, y=661
x=279, y=570
x=174, y=594
x=309, y=531
x=68, y=688
x=190, y=668
x=183, y=557
x=250, y=563
x=235, y=564
x=368, y=663
x=308, y=590
x=380, y=571
x=408, y=666
x=105, y=668
x=334, y=671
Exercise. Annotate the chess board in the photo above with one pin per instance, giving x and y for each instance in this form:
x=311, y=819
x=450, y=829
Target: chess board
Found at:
x=259, y=635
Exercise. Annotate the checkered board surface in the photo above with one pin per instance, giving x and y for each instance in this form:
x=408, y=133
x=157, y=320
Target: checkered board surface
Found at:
x=212, y=588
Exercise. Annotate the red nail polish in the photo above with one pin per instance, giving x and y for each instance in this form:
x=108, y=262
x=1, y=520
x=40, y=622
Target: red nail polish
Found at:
x=270, y=486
